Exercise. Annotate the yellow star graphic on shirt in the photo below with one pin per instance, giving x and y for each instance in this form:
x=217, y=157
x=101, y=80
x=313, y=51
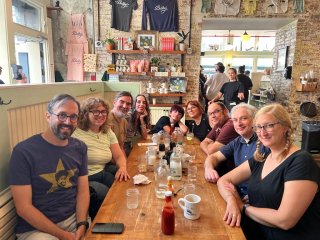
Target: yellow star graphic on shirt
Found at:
x=60, y=178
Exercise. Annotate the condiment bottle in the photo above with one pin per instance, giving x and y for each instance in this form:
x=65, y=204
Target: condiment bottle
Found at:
x=162, y=150
x=169, y=184
x=171, y=128
x=175, y=165
x=167, y=215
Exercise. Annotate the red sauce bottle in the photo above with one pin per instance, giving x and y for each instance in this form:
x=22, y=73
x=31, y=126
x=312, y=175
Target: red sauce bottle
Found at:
x=167, y=216
x=171, y=128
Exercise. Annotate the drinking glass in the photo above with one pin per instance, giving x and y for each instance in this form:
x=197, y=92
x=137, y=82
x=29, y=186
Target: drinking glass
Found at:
x=142, y=163
x=132, y=198
x=192, y=173
x=190, y=137
x=189, y=188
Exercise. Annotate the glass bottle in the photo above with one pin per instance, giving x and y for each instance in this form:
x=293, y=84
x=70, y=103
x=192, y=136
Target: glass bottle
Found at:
x=171, y=128
x=169, y=184
x=162, y=150
x=167, y=215
x=177, y=136
x=161, y=174
x=175, y=165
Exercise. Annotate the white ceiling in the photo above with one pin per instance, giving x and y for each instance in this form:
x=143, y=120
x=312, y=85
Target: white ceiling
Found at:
x=254, y=26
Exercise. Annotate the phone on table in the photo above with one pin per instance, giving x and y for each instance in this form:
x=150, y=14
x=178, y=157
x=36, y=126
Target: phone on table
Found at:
x=108, y=228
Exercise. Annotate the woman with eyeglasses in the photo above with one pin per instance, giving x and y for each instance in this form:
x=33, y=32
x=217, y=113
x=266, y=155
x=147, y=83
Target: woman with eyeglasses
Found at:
x=199, y=124
x=138, y=121
x=284, y=201
x=103, y=147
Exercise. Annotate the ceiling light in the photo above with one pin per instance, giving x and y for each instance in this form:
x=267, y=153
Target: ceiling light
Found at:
x=245, y=37
x=229, y=46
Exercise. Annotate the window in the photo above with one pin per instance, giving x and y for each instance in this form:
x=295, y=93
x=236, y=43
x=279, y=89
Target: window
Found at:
x=248, y=62
x=26, y=14
x=209, y=65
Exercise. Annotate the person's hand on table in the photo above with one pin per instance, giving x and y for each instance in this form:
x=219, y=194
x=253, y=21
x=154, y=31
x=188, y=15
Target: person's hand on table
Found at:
x=122, y=174
x=232, y=215
x=211, y=175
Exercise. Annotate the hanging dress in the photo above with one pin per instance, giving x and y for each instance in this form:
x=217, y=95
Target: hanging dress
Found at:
x=77, y=45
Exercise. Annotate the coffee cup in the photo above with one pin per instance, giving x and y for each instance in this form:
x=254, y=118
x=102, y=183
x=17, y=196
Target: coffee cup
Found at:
x=191, y=206
x=153, y=90
x=165, y=90
x=161, y=90
x=150, y=85
x=148, y=90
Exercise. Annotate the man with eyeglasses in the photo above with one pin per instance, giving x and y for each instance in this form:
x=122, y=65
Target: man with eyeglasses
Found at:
x=117, y=119
x=240, y=149
x=48, y=177
x=222, y=132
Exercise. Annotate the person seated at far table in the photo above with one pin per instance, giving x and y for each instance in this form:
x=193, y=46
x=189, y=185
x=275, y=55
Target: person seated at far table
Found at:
x=199, y=124
x=175, y=115
x=103, y=147
x=222, y=129
x=138, y=120
x=240, y=149
x=283, y=187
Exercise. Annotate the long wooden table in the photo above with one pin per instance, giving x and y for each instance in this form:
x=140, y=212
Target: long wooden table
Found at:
x=144, y=222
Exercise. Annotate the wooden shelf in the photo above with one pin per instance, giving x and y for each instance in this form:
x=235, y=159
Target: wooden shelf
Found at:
x=164, y=105
x=146, y=52
x=151, y=74
x=308, y=87
x=166, y=95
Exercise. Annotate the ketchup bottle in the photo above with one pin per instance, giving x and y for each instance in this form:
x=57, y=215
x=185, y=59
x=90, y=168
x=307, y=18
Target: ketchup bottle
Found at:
x=167, y=215
x=171, y=128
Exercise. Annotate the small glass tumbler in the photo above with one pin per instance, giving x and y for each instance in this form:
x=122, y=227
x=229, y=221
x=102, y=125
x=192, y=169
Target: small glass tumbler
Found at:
x=142, y=163
x=189, y=188
x=190, y=137
x=132, y=198
x=192, y=173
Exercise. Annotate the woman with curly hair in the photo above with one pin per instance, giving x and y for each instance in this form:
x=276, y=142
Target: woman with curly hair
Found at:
x=283, y=187
x=103, y=147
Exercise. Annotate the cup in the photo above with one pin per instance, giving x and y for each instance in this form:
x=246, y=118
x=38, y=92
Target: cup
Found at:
x=154, y=101
x=155, y=138
x=161, y=90
x=165, y=90
x=150, y=85
x=191, y=206
x=149, y=90
x=192, y=173
x=190, y=137
x=142, y=164
x=189, y=188
x=153, y=90
x=132, y=198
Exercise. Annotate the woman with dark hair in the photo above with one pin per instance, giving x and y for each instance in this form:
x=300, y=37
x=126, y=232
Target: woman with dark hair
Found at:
x=138, y=120
x=175, y=115
x=199, y=124
x=232, y=91
x=103, y=147
x=283, y=187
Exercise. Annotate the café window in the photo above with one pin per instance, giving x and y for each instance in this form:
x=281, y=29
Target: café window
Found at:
x=26, y=14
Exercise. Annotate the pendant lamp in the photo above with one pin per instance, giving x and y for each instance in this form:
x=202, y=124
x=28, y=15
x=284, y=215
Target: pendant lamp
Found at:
x=245, y=37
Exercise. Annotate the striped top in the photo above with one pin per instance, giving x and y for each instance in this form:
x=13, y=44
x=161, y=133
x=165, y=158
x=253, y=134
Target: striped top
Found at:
x=99, y=152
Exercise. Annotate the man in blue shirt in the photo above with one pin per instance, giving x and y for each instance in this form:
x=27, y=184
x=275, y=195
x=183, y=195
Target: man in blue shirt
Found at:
x=238, y=150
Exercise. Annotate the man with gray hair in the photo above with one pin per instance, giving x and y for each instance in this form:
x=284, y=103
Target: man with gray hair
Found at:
x=48, y=176
x=240, y=149
x=121, y=106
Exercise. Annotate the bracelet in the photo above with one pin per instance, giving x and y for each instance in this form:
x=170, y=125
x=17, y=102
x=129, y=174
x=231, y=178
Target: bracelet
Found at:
x=244, y=208
x=85, y=223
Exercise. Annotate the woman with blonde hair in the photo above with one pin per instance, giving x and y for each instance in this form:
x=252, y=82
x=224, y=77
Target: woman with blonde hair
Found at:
x=284, y=201
x=103, y=147
x=199, y=124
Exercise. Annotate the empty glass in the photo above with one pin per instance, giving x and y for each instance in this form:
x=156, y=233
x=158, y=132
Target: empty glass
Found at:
x=132, y=198
x=192, y=173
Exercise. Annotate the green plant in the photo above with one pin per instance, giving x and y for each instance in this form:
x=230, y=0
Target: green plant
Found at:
x=183, y=36
x=109, y=41
x=155, y=61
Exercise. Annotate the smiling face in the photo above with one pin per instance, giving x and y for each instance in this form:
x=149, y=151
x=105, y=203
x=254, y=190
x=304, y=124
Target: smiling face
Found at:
x=193, y=111
x=175, y=116
x=141, y=104
x=121, y=106
x=217, y=115
x=97, y=116
x=269, y=130
x=243, y=122
x=232, y=74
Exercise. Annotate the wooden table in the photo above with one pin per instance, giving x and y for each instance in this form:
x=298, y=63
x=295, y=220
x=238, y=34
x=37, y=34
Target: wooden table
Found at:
x=144, y=222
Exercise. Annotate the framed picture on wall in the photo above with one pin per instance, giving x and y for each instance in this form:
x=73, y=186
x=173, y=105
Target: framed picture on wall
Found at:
x=282, y=58
x=147, y=40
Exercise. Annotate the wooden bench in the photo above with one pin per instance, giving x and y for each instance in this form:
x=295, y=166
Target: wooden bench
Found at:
x=8, y=216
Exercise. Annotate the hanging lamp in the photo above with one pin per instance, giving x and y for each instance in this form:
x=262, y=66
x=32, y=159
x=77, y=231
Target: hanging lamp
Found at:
x=245, y=37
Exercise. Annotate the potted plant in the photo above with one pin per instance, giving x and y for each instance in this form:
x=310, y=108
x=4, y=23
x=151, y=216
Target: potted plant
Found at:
x=155, y=61
x=109, y=43
x=182, y=37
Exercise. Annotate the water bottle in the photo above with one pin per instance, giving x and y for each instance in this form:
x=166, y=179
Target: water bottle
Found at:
x=177, y=136
x=175, y=165
x=161, y=173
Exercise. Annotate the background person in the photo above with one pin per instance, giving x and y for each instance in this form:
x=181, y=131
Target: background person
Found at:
x=246, y=82
x=232, y=91
x=1, y=82
x=139, y=120
x=102, y=146
x=121, y=106
x=49, y=207
x=199, y=124
x=283, y=186
x=175, y=115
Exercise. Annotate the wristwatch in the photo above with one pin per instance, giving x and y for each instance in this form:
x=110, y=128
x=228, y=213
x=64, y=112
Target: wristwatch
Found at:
x=85, y=223
x=244, y=208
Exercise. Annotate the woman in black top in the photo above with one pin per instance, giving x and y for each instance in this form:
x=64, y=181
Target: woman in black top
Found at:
x=199, y=124
x=283, y=187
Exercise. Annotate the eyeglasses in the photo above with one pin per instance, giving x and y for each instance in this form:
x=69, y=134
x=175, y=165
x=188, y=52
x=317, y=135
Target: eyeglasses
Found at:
x=62, y=117
x=267, y=127
x=215, y=112
x=191, y=108
x=96, y=113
